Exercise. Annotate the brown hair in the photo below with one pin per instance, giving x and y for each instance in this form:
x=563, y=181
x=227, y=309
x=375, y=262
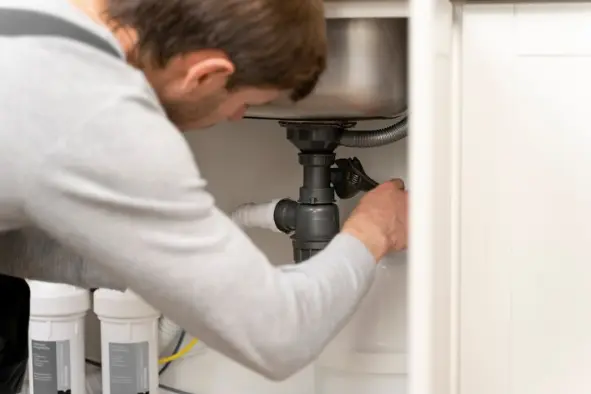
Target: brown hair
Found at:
x=272, y=43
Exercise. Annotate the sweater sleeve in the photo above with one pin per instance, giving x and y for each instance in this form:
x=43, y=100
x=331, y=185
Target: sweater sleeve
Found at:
x=30, y=253
x=124, y=191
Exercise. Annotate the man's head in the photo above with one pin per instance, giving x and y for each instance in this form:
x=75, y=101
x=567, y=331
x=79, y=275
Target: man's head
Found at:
x=209, y=60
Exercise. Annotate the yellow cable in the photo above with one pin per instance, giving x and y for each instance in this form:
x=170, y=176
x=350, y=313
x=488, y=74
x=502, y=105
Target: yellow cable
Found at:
x=180, y=353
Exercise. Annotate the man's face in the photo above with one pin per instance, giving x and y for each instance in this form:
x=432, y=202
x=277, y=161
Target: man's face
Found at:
x=197, y=111
x=192, y=90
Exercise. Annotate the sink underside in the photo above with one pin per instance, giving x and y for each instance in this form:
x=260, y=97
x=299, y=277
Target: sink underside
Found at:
x=366, y=75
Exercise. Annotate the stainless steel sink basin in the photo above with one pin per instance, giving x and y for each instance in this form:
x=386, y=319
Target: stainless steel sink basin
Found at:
x=366, y=75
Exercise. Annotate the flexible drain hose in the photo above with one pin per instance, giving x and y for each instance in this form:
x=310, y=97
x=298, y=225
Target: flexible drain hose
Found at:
x=375, y=138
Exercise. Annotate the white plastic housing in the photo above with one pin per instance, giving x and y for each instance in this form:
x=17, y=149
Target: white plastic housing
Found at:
x=56, y=338
x=261, y=215
x=129, y=342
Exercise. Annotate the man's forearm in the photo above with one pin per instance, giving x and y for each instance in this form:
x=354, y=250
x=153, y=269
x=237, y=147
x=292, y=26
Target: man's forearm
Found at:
x=30, y=253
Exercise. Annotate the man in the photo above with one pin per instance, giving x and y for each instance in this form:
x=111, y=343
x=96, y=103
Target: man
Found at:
x=90, y=155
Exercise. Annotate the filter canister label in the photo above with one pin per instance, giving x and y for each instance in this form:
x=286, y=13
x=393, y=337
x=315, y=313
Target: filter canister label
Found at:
x=51, y=367
x=129, y=368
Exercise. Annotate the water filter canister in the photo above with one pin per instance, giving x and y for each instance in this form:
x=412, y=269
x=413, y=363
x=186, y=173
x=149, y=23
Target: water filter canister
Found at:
x=129, y=342
x=56, y=338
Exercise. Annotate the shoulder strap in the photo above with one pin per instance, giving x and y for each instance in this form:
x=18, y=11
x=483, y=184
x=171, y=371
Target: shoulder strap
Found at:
x=15, y=23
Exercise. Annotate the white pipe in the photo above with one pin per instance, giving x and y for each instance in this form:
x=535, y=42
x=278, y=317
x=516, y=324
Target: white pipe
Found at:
x=169, y=331
x=256, y=215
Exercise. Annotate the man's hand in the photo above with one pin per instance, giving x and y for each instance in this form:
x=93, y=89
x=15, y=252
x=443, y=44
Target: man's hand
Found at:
x=380, y=220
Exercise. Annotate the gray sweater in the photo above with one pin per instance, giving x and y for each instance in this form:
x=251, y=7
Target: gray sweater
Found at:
x=88, y=156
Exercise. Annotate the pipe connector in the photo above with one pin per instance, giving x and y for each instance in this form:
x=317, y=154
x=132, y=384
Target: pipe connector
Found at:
x=260, y=215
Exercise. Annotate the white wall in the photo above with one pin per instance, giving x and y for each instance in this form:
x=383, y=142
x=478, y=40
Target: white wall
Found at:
x=526, y=200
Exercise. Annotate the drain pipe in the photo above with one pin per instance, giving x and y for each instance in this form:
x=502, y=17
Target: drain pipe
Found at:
x=375, y=138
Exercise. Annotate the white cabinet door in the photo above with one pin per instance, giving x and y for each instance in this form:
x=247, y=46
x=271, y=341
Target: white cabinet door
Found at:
x=431, y=179
x=526, y=199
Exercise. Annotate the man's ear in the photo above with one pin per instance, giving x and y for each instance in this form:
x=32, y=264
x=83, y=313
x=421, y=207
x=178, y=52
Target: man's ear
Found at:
x=207, y=74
